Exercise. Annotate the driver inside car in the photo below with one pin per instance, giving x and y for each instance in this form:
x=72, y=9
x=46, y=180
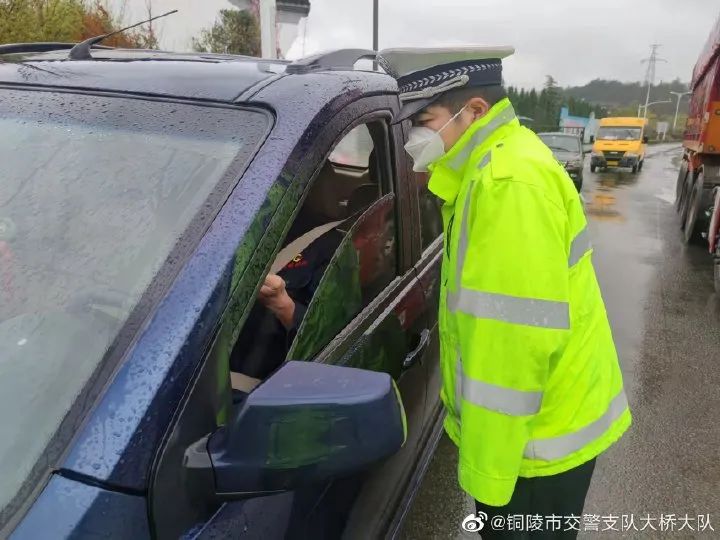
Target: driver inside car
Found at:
x=285, y=295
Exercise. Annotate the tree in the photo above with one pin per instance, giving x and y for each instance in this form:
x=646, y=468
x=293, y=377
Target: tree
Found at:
x=99, y=19
x=550, y=82
x=532, y=101
x=616, y=95
x=71, y=21
x=548, y=108
x=145, y=35
x=40, y=20
x=234, y=32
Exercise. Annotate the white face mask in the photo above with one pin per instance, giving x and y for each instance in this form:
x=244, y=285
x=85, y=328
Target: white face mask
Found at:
x=426, y=146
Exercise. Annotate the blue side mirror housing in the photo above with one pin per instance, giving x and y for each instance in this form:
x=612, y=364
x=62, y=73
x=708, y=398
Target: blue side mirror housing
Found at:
x=306, y=424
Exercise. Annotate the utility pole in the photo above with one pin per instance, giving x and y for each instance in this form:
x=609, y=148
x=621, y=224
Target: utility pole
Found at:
x=376, y=29
x=650, y=74
x=268, y=33
x=376, y=19
x=679, y=96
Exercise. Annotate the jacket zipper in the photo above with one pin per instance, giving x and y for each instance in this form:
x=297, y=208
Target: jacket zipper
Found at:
x=448, y=240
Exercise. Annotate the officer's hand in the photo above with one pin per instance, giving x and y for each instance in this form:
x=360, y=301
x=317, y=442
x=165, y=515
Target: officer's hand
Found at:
x=274, y=296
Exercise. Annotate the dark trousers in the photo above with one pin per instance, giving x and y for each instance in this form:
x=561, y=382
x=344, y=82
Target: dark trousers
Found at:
x=561, y=495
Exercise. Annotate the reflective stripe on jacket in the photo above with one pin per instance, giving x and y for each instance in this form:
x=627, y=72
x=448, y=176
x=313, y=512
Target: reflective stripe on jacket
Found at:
x=531, y=380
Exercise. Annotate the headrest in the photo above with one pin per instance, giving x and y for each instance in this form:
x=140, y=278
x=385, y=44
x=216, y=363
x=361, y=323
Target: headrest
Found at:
x=324, y=202
x=362, y=198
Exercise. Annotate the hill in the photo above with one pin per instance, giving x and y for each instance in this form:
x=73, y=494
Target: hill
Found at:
x=602, y=97
x=616, y=96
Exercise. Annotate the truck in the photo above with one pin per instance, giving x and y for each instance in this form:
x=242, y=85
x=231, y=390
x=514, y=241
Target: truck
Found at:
x=698, y=183
x=620, y=142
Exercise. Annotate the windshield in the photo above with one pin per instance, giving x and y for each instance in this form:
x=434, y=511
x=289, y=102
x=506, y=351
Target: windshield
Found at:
x=562, y=143
x=94, y=194
x=619, y=133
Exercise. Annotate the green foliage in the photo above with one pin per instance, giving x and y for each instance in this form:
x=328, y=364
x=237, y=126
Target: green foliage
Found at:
x=544, y=106
x=40, y=20
x=69, y=21
x=618, y=96
x=604, y=98
x=234, y=32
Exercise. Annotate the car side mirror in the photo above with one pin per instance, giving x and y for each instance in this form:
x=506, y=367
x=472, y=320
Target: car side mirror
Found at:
x=306, y=424
x=645, y=139
x=592, y=139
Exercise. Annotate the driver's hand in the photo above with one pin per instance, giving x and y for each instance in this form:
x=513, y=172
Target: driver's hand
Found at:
x=274, y=296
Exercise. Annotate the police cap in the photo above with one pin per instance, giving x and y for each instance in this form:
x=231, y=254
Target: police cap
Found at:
x=423, y=75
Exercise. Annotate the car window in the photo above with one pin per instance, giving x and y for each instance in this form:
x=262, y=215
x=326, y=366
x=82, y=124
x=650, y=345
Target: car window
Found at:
x=431, y=224
x=430, y=205
x=561, y=143
x=95, y=193
x=619, y=133
x=354, y=149
x=342, y=240
x=363, y=265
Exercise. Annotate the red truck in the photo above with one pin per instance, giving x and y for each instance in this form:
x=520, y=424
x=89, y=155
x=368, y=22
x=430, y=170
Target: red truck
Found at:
x=698, y=184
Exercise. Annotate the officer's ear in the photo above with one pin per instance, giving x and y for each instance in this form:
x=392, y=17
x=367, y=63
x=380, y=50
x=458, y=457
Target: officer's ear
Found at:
x=478, y=107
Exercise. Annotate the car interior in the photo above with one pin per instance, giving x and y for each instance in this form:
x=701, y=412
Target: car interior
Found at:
x=347, y=184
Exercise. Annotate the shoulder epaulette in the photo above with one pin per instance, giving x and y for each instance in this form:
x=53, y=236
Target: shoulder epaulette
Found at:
x=500, y=162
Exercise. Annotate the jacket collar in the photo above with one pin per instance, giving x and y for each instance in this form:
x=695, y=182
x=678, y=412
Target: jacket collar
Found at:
x=449, y=171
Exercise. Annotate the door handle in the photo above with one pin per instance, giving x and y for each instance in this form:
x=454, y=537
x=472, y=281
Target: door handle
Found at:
x=414, y=355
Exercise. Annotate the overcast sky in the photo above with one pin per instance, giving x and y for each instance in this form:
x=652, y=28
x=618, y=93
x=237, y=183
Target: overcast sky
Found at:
x=573, y=40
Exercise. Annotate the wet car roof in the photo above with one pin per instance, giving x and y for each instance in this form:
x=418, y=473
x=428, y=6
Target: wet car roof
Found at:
x=187, y=75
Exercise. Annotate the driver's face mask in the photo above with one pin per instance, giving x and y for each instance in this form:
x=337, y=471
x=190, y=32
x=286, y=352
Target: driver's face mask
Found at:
x=426, y=146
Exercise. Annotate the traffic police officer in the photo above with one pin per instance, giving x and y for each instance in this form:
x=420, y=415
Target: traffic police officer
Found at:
x=531, y=381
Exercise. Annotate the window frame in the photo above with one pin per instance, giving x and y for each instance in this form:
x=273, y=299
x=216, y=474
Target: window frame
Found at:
x=409, y=253
x=381, y=130
x=421, y=253
x=347, y=238
x=376, y=108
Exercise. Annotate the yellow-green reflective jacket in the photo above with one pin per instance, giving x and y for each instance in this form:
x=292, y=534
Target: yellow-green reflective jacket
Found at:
x=531, y=380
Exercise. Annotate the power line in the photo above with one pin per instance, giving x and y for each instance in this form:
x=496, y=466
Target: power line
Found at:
x=650, y=74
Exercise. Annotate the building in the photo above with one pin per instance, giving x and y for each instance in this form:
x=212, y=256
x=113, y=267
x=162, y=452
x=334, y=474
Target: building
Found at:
x=586, y=127
x=289, y=13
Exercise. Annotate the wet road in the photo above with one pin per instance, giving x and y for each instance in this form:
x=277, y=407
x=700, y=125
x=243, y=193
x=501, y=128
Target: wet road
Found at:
x=666, y=323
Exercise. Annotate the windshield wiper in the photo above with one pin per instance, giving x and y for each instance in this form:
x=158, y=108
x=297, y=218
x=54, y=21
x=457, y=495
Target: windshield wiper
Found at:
x=81, y=51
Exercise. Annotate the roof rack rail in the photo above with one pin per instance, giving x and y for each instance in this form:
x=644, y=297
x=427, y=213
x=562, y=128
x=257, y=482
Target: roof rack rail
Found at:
x=47, y=46
x=341, y=59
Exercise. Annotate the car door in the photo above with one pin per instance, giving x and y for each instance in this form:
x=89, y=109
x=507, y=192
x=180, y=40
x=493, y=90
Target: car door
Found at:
x=427, y=243
x=385, y=491
x=380, y=330
x=389, y=333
